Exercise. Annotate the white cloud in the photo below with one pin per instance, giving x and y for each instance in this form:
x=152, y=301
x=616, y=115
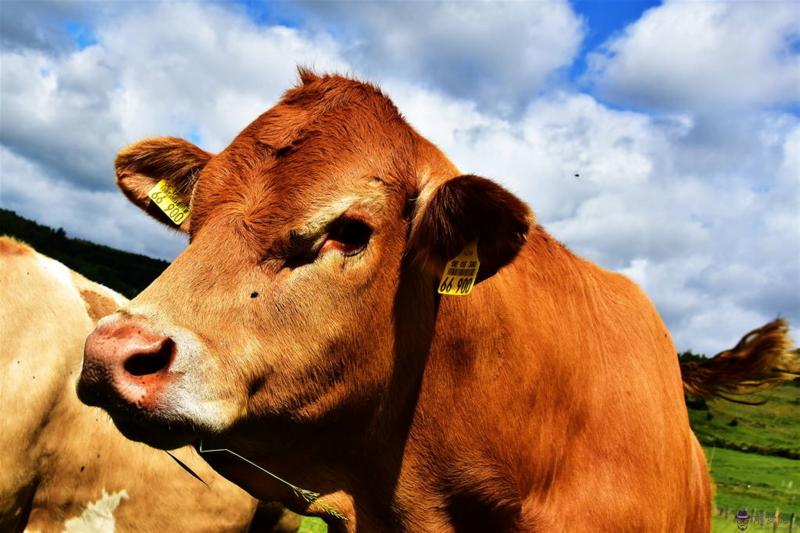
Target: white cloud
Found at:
x=197, y=66
x=538, y=154
x=704, y=55
x=38, y=24
x=498, y=53
x=171, y=70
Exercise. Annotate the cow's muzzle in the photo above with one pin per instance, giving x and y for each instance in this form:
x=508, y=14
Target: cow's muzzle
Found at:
x=126, y=371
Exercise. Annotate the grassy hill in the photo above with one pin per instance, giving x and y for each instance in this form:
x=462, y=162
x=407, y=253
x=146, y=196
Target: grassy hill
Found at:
x=753, y=452
x=769, y=429
x=124, y=272
x=754, y=481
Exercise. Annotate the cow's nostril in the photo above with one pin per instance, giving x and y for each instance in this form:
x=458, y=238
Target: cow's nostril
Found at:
x=143, y=364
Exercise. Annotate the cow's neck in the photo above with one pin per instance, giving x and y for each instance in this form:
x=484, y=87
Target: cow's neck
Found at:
x=447, y=457
x=446, y=470
x=427, y=462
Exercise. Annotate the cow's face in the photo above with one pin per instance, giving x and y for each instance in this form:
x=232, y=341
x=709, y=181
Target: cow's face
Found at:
x=316, y=240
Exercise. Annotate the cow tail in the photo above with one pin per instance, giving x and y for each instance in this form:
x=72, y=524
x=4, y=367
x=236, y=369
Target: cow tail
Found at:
x=760, y=361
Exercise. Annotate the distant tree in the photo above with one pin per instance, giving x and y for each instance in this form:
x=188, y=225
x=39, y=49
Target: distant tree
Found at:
x=688, y=355
x=122, y=271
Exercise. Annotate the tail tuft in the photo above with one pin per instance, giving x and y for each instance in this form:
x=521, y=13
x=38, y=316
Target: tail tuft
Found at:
x=760, y=361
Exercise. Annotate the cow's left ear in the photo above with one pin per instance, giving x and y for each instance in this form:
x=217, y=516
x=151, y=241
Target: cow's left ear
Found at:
x=142, y=165
x=464, y=209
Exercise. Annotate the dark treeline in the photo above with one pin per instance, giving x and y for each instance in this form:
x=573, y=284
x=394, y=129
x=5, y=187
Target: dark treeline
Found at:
x=688, y=355
x=124, y=272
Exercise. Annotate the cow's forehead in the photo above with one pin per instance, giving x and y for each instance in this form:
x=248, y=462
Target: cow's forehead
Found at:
x=292, y=186
x=305, y=154
x=331, y=110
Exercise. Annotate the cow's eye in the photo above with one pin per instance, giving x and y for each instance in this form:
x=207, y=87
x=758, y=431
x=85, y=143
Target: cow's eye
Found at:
x=349, y=235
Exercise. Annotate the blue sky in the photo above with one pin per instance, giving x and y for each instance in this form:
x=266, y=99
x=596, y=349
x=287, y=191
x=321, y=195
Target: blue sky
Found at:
x=680, y=117
x=603, y=21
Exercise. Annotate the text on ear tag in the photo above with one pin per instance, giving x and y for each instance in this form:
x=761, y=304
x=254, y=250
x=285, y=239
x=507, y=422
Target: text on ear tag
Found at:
x=461, y=271
x=165, y=197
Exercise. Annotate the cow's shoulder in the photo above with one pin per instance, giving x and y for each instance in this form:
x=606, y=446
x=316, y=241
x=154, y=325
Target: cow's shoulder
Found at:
x=609, y=300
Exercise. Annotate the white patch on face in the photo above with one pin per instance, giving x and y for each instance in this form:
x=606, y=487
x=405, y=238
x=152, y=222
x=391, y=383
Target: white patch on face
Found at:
x=371, y=199
x=98, y=517
x=113, y=317
x=319, y=220
x=189, y=395
x=58, y=271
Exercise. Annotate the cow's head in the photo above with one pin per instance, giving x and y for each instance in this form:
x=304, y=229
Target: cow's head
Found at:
x=307, y=293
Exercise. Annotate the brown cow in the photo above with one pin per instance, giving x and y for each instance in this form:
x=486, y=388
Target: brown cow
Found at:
x=64, y=465
x=302, y=329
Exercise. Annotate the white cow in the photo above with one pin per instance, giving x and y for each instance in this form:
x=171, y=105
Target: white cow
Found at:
x=63, y=465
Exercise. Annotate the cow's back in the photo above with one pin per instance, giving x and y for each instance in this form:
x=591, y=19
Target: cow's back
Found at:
x=64, y=465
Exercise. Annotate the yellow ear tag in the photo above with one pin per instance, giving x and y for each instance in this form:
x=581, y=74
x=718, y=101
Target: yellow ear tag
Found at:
x=461, y=271
x=165, y=197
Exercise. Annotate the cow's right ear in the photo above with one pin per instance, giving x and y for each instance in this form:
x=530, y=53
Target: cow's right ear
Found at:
x=463, y=209
x=142, y=165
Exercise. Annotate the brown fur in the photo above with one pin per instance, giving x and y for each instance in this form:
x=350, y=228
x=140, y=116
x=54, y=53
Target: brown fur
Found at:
x=59, y=455
x=98, y=305
x=550, y=399
x=11, y=246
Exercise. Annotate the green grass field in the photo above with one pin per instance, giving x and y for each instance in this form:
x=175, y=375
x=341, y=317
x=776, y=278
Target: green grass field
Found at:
x=753, y=481
x=745, y=479
x=312, y=525
x=769, y=429
x=728, y=525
